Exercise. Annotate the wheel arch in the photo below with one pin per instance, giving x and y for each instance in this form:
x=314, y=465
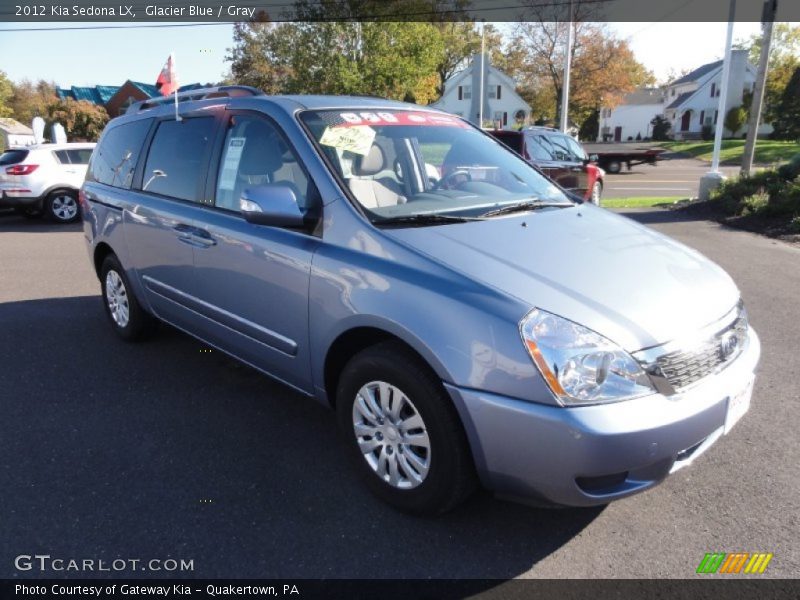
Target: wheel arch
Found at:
x=101, y=251
x=359, y=337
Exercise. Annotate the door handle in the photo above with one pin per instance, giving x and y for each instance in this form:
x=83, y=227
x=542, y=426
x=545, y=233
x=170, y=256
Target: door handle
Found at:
x=203, y=238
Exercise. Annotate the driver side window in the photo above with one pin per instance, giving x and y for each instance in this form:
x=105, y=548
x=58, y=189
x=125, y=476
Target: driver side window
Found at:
x=255, y=153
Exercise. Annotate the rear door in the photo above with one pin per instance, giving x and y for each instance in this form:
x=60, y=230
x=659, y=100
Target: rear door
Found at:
x=161, y=212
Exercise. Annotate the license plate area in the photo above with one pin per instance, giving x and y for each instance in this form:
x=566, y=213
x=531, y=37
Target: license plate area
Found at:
x=738, y=405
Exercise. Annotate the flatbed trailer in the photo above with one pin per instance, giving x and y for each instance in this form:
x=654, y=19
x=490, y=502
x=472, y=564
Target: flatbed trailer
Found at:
x=612, y=161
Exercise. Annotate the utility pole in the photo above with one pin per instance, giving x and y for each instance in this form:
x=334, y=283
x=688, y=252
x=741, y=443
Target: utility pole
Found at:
x=567, y=68
x=483, y=71
x=713, y=178
x=770, y=7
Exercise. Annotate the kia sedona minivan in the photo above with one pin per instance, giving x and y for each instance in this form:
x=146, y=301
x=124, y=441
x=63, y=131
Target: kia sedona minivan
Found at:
x=468, y=321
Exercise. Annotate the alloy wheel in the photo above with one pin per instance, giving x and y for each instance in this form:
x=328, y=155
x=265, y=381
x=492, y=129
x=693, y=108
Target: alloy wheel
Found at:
x=117, y=299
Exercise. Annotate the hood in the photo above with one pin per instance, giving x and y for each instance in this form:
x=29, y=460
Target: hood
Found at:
x=604, y=271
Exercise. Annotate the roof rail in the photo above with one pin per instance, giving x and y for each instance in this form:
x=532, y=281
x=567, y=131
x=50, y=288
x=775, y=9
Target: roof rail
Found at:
x=220, y=91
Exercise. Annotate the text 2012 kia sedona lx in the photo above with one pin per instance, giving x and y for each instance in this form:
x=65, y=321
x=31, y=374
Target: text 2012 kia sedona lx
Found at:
x=468, y=320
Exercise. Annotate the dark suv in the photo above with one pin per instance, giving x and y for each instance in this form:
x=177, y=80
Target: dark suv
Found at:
x=559, y=156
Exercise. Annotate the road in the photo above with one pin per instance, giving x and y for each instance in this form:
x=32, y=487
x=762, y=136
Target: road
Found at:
x=161, y=450
x=676, y=175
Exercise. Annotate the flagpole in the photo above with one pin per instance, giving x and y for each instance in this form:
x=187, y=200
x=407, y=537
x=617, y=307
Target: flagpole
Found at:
x=175, y=75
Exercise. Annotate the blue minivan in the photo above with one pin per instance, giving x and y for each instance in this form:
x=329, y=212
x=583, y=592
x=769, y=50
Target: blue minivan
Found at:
x=470, y=322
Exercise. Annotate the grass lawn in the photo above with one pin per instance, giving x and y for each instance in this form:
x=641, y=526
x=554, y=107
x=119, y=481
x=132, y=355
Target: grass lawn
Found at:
x=639, y=202
x=767, y=151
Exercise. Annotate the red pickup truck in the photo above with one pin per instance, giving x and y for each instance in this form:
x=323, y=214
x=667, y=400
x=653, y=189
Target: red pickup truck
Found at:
x=559, y=156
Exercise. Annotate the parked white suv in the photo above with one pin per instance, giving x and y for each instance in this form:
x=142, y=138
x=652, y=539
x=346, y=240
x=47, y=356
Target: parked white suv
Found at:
x=44, y=179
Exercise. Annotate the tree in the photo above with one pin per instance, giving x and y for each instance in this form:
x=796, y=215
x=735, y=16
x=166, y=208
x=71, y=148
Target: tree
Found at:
x=604, y=68
x=661, y=127
x=31, y=99
x=787, y=125
x=461, y=40
x=395, y=60
x=6, y=90
x=784, y=58
x=735, y=119
x=82, y=120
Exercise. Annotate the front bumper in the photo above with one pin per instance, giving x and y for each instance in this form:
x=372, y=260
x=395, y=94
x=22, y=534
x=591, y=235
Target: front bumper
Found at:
x=585, y=456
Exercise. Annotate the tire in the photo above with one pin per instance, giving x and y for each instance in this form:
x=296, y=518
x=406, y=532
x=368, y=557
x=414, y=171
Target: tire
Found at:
x=433, y=469
x=597, y=193
x=61, y=206
x=614, y=167
x=123, y=310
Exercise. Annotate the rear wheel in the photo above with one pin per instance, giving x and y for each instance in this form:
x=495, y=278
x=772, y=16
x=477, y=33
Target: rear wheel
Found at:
x=403, y=431
x=126, y=315
x=61, y=206
x=614, y=166
x=597, y=192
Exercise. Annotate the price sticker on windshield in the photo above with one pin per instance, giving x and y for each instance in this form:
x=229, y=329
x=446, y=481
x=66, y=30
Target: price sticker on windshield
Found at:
x=357, y=139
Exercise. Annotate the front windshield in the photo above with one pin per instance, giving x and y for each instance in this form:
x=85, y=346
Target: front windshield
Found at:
x=412, y=163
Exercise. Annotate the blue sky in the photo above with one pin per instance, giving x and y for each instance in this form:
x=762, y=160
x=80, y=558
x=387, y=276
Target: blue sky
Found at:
x=109, y=57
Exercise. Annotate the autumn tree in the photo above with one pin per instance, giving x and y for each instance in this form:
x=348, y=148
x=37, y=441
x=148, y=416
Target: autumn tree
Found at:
x=82, y=120
x=6, y=90
x=784, y=58
x=604, y=67
x=320, y=54
x=31, y=99
x=735, y=119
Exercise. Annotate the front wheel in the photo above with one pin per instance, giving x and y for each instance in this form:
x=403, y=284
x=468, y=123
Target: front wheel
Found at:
x=126, y=315
x=62, y=206
x=403, y=431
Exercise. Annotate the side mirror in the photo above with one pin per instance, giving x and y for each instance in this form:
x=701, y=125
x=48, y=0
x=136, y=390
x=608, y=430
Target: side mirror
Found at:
x=271, y=204
x=593, y=158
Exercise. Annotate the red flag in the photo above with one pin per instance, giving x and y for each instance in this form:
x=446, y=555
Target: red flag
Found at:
x=167, y=81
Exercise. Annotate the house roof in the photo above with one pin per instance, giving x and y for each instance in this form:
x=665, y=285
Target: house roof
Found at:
x=98, y=94
x=14, y=127
x=644, y=96
x=698, y=73
x=681, y=99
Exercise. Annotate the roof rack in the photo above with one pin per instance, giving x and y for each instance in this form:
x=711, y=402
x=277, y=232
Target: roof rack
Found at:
x=220, y=91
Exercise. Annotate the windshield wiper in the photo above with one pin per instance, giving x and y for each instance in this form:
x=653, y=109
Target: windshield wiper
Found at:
x=424, y=219
x=525, y=206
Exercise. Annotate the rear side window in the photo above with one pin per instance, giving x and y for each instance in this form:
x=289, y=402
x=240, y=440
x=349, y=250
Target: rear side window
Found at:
x=114, y=159
x=511, y=140
x=79, y=157
x=175, y=164
x=12, y=157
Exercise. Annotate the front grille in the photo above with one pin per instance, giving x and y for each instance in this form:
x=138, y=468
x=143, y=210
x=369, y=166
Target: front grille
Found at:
x=682, y=368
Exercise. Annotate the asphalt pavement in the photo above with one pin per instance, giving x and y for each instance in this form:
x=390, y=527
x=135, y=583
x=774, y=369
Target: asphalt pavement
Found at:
x=163, y=450
x=674, y=176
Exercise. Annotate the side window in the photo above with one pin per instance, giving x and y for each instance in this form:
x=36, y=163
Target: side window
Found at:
x=114, y=159
x=254, y=154
x=79, y=157
x=539, y=148
x=62, y=156
x=175, y=164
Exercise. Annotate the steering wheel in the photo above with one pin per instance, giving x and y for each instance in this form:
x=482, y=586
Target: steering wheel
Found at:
x=448, y=181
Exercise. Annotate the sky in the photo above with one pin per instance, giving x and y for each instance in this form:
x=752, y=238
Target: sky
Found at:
x=111, y=56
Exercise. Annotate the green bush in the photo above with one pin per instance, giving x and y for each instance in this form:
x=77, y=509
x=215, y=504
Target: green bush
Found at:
x=790, y=170
x=768, y=193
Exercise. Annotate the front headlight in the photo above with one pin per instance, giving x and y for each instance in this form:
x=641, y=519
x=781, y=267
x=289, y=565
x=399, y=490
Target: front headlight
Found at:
x=579, y=365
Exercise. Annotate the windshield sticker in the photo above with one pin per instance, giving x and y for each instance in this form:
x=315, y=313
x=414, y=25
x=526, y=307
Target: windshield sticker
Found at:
x=233, y=155
x=353, y=119
x=356, y=138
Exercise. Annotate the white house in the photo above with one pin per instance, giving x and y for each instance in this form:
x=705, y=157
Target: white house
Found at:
x=501, y=103
x=631, y=119
x=14, y=133
x=692, y=100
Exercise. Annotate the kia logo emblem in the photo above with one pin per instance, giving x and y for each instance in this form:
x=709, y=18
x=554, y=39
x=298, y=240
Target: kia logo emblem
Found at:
x=728, y=345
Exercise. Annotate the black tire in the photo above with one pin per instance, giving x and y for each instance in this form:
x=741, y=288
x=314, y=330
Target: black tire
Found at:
x=451, y=475
x=614, y=166
x=61, y=206
x=139, y=324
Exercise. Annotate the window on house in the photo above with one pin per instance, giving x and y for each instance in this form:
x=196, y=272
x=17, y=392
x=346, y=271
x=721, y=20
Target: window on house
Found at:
x=499, y=94
x=467, y=92
x=702, y=117
x=492, y=93
x=460, y=93
x=505, y=119
x=713, y=89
